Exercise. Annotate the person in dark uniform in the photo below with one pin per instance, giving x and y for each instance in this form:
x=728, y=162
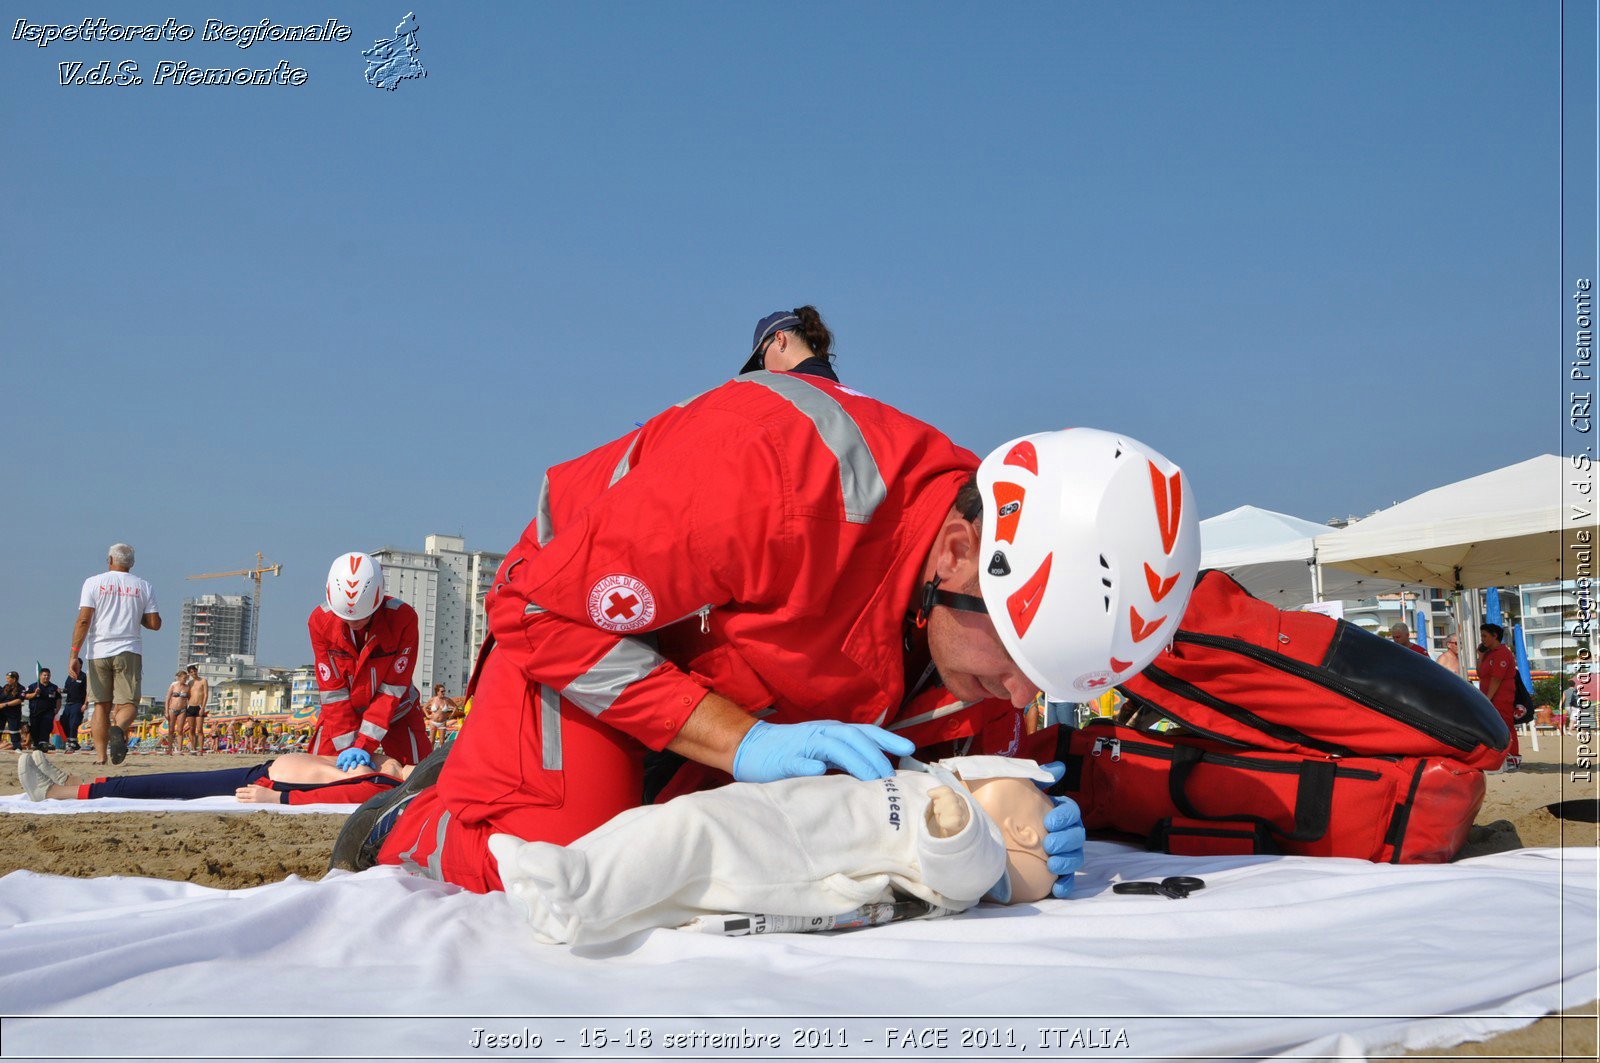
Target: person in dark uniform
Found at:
x=43, y=699
x=74, y=693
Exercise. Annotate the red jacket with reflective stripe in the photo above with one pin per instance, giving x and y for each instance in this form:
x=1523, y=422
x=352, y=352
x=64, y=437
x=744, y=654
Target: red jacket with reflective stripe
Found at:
x=364, y=690
x=770, y=533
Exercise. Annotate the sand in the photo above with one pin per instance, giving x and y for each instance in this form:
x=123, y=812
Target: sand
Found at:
x=235, y=851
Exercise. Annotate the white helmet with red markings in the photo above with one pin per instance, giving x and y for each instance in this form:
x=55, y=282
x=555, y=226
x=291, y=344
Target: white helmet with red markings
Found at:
x=355, y=587
x=1091, y=545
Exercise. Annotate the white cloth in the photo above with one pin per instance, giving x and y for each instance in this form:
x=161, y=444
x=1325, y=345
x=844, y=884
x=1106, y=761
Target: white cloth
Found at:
x=19, y=803
x=120, y=601
x=810, y=846
x=1320, y=958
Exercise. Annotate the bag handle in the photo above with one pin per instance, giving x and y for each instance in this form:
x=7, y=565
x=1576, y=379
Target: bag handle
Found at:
x=1313, y=799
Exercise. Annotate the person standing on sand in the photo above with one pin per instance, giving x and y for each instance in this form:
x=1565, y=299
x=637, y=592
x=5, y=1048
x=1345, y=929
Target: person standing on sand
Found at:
x=74, y=692
x=199, y=701
x=11, y=709
x=114, y=607
x=1496, y=667
x=177, y=701
x=44, y=699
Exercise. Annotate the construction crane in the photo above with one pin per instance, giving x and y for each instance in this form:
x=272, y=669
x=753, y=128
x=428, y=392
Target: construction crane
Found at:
x=261, y=569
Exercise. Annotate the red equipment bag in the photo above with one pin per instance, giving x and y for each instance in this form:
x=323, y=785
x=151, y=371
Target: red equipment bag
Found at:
x=1241, y=671
x=1194, y=797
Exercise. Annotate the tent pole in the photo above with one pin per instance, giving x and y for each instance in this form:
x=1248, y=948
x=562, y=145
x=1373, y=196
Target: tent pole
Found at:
x=1316, y=575
x=1459, y=608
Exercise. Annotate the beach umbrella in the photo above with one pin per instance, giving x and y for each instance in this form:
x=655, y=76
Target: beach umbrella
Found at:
x=1521, y=646
x=1491, y=606
x=1422, y=629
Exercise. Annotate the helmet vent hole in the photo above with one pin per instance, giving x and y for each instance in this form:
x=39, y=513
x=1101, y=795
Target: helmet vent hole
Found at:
x=1118, y=454
x=1104, y=564
x=1108, y=603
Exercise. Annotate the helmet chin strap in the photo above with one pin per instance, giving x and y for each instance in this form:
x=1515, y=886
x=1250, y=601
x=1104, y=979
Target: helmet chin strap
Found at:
x=932, y=596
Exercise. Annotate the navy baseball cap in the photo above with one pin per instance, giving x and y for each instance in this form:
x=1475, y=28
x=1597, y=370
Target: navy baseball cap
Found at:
x=776, y=321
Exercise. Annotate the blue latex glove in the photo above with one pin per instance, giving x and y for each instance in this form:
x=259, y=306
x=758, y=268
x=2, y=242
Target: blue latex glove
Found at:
x=354, y=758
x=773, y=751
x=1064, y=836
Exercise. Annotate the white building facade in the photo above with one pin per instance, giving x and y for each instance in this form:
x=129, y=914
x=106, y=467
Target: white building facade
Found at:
x=446, y=584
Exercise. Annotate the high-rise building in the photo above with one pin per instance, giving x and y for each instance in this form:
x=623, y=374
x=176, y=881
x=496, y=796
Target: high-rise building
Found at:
x=217, y=626
x=446, y=584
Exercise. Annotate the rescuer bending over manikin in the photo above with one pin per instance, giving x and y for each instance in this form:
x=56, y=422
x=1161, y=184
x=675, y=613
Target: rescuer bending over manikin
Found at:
x=950, y=833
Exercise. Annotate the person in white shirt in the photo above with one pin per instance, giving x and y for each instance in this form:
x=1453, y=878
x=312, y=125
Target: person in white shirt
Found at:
x=112, y=611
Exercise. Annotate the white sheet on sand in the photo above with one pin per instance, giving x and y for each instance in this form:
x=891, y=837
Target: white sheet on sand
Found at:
x=1290, y=956
x=226, y=803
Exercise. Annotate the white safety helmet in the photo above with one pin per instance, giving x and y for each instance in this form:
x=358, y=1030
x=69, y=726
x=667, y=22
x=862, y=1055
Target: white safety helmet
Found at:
x=355, y=587
x=1091, y=546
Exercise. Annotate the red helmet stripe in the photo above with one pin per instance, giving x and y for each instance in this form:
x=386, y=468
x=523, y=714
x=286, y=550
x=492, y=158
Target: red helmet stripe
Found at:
x=355, y=559
x=1169, y=504
x=1159, y=588
x=1023, y=604
x=1023, y=456
x=1120, y=666
x=1008, y=511
x=1140, y=629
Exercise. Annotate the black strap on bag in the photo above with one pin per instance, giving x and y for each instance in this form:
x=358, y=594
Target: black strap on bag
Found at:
x=1313, y=800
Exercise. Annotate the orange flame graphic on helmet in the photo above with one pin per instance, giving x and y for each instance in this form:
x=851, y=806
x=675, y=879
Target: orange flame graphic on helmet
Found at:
x=1169, y=504
x=1008, y=511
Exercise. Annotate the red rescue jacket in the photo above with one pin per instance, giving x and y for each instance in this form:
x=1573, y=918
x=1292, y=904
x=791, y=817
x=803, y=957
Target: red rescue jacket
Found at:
x=764, y=540
x=364, y=691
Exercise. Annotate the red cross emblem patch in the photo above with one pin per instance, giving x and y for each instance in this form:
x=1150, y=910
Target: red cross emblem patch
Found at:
x=622, y=604
x=1093, y=682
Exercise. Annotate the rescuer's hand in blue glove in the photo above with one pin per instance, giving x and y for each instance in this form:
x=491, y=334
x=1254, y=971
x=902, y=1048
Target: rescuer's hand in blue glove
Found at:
x=1064, y=836
x=354, y=758
x=773, y=751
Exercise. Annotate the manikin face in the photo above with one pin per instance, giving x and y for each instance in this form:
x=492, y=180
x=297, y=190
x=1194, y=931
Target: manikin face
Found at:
x=1018, y=808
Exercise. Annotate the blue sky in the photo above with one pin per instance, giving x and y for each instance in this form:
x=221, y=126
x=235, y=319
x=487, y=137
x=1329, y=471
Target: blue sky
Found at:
x=1308, y=251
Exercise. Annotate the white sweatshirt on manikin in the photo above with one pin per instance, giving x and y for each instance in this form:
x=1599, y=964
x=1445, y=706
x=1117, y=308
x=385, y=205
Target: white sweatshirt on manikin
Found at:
x=811, y=847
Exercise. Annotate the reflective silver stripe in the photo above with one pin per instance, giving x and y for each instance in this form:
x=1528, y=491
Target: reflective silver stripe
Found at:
x=533, y=609
x=550, y=727
x=394, y=690
x=859, y=477
x=406, y=860
x=392, y=603
x=373, y=731
x=342, y=742
x=943, y=710
x=330, y=697
x=435, y=858
x=542, y=524
x=691, y=398
x=625, y=664
x=412, y=735
x=624, y=464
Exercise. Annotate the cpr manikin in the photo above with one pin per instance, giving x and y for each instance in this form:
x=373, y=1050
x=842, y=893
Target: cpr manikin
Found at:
x=948, y=833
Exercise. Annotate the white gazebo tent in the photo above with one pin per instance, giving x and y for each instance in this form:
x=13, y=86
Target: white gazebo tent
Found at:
x=1271, y=554
x=1495, y=530
x=1499, y=529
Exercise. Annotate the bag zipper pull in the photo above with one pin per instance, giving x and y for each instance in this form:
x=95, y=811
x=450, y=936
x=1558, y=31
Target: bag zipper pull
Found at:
x=705, y=620
x=1101, y=743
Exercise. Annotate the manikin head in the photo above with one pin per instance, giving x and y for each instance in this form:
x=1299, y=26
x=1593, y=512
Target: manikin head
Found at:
x=1018, y=808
